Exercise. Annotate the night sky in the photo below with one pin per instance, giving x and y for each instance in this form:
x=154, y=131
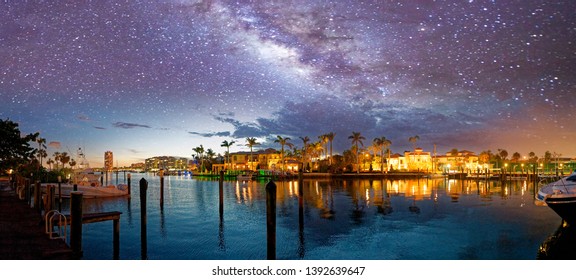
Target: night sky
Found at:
x=149, y=78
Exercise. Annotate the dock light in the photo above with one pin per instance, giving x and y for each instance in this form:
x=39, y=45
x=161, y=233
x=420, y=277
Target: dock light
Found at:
x=59, y=179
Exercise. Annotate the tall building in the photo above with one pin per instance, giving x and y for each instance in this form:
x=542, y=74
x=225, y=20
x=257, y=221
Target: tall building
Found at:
x=108, y=161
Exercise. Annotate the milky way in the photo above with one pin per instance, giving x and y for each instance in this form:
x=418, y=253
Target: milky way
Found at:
x=145, y=78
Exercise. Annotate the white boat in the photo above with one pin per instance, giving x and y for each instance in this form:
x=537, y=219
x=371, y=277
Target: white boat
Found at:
x=89, y=183
x=560, y=196
x=245, y=176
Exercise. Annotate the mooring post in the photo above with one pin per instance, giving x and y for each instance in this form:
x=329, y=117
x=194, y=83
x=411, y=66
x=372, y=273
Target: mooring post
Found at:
x=60, y=194
x=116, y=238
x=49, y=198
x=271, y=220
x=76, y=224
x=143, y=219
x=221, y=191
x=129, y=183
x=161, y=188
x=26, y=183
x=37, y=196
x=75, y=188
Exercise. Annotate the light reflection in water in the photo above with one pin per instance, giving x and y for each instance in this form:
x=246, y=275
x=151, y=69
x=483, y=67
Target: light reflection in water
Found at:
x=338, y=219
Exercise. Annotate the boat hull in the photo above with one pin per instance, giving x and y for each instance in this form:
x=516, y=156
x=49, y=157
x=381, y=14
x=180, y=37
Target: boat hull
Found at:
x=565, y=208
x=560, y=196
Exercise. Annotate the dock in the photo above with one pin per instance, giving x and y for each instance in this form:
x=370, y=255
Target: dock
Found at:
x=22, y=232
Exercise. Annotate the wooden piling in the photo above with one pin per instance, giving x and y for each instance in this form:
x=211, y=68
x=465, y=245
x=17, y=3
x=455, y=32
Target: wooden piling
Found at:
x=27, y=191
x=76, y=224
x=143, y=219
x=221, y=191
x=59, y=195
x=271, y=220
x=37, y=196
x=49, y=198
x=129, y=183
x=116, y=239
x=161, y=188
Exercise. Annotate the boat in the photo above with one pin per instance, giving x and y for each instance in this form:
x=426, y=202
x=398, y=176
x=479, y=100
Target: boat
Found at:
x=245, y=176
x=560, y=196
x=90, y=184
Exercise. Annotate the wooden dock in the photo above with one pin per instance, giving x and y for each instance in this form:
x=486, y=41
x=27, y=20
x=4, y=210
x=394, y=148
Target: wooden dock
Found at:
x=22, y=232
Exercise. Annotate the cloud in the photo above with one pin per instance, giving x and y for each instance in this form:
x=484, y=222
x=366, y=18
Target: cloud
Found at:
x=211, y=134
x=129, y=125
x=83, y=118
x=99, y=127
x=54, y=144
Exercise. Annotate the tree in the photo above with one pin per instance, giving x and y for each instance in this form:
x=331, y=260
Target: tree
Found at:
x=14, y=149
x=251, y=142
x=41, y=149
x=50, y=161
x=330, y=136
x=383, y=144
x=485, y=157
x=283, y=142
x=516, y=157
x=532, y=158
x=357, y=138
x=57, y=157
x=413, y=140
x=503, y=154
x=324, y=141
x=200, y=156
x=227, y=144
x=305, y=141
x=210, y=154
x=64, y=158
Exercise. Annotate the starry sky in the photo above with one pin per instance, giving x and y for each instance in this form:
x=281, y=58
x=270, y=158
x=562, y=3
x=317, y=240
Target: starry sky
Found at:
x=149, y=78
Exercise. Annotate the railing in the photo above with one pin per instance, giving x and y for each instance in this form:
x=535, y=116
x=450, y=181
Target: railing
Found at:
x=62, y=224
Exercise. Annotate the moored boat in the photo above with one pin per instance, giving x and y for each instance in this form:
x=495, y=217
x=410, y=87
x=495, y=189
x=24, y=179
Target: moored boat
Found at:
x=245, y=176
x=90, y=184
x=560, y=196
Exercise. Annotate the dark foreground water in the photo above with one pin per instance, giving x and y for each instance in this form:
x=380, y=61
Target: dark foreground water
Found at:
x=364, y=219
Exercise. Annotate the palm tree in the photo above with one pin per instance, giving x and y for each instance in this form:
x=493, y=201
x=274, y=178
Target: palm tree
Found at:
x=324, y=141
x=330, y=136
x=283, y=142
x=227, y=144
x=41, y=149
x=413, y=140
x=383, y=144
x=42, y=154
x=50, y=161
x=251, y=143
x=210, y=154
x=200, y=155
x=316, y=149
x=64, y=158
x=357, y=138
x=305, y=140
x=57, y=157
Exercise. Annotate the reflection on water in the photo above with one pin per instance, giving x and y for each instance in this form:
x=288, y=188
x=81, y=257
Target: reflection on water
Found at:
x=561, y=245
x=329, y=219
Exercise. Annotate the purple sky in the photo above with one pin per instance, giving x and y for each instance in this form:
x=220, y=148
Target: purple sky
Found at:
x=148, y=78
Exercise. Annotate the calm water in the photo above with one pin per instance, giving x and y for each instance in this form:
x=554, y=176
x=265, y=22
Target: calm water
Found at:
x=352, y=219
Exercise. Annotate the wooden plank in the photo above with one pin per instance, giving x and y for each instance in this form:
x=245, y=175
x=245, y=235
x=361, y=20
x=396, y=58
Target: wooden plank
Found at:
x=97, y=217
x=100, y=217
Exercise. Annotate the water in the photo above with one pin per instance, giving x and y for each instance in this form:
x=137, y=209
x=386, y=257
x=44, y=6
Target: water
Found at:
x=340, y=219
